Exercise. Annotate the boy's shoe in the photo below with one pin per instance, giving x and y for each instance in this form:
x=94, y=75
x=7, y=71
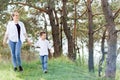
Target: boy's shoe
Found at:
x=45, y=71
x=20, y=68
x=15, y=68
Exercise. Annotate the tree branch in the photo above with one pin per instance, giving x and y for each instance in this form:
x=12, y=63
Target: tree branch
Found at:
x=82, y=14
x=116, y=31
x=97, y=30
x=97, y=14
x=76, y=1
x=25, y=4
x=56, y=17
x=116, y=14
x=86, y=4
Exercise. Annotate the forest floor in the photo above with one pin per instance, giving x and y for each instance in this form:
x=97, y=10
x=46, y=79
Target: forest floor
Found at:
x=58, y=69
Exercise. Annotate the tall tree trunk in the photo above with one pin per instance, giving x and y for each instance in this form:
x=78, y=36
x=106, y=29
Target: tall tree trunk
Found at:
x=68, y=34
x=112, y=41
x=45, y=28
x=90, y=33
x=103, y=53
x=60, y=30
x=55, y=29
x=60, y=36
x=75, y=26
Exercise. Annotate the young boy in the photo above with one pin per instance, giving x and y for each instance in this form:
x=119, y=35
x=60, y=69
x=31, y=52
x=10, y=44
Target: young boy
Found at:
x=44, y=45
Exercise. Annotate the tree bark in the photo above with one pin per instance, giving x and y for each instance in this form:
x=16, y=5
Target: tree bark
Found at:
x=55, y=29
x=112, y=41
x=60, y=30
x=68, y=34
x=103, y=54
x=91, y=40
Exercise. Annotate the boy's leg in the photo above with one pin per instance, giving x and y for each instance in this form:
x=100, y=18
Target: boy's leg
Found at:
x=45, y=62
x=42, y=61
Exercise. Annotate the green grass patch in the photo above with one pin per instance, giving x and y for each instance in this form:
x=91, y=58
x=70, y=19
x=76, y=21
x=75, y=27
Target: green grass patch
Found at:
x=58, y=69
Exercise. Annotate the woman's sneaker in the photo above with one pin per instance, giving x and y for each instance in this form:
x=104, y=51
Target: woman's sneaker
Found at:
x=15, y=68
x=20, y=68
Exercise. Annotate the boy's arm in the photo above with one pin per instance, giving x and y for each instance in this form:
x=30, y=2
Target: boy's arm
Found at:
x=37, y=44
x=50, y=48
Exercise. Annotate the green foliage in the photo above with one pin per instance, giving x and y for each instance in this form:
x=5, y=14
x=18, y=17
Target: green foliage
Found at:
x=59, y=69
x=3, y=4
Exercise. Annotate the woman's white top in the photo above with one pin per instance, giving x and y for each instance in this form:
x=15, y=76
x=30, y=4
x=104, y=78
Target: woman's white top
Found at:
x=12, y=31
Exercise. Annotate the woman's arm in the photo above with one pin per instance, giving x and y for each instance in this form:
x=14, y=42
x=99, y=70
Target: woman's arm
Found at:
x=6, y=34
x=5, y=39
x=26, y=36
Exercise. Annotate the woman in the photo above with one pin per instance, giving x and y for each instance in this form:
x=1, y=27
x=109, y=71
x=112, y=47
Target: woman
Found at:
x=15, y=34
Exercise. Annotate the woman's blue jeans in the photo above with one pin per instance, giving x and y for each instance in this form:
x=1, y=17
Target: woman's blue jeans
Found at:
x=15, y=48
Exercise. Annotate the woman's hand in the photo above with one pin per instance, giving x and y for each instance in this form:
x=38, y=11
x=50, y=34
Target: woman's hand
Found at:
x=5, y=40
x=28, y=41
x=4, y=43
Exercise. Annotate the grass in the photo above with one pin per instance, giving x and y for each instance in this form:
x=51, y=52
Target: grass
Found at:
x=58, y=69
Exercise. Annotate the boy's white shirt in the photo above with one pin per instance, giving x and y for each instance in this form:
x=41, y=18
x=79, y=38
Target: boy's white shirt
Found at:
x=44, y=46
